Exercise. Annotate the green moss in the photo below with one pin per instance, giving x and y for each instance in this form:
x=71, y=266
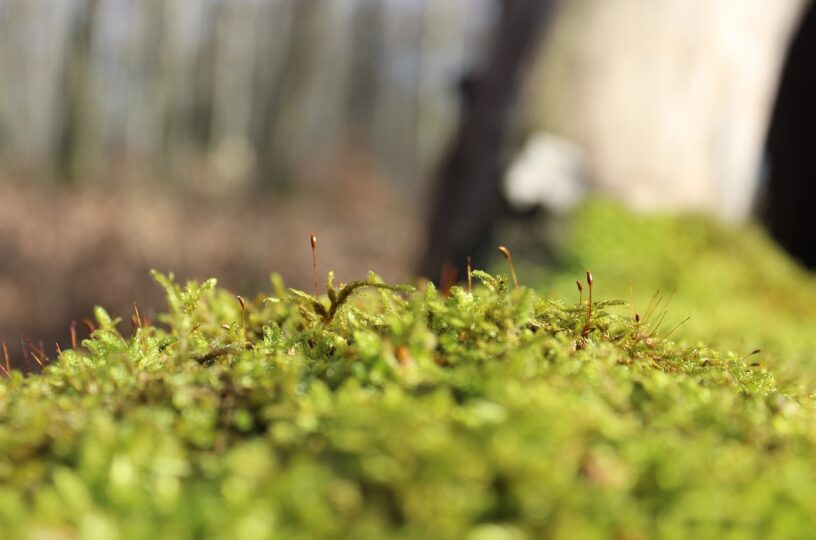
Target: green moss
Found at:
x=403, y=415
x=739, y=289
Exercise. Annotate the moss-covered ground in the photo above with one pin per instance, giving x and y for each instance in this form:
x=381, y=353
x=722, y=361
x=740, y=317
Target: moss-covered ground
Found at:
x=390, y=412
x=739, y=291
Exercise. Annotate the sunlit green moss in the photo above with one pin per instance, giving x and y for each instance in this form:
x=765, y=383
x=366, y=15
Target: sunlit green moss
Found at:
x=406, y=414
x=739, y=289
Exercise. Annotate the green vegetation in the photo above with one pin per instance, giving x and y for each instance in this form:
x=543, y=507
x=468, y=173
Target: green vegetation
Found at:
x=739, y=289
x=386, y=412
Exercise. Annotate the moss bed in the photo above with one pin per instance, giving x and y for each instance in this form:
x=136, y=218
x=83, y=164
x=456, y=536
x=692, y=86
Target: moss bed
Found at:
x=392, y=412
x=739, y=291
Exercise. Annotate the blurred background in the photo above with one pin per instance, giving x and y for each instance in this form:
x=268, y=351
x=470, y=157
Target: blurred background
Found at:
x=210, y=138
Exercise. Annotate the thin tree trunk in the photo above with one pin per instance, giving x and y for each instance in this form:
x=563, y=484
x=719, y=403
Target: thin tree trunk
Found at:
x=468, y=197
x=202, y=104
x=288, y=101
x=366, y=56
x=72, y=153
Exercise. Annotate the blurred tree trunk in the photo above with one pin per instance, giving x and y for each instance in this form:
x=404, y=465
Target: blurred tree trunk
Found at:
x=669, y=99
x=366, y=56
x=73, y=144
x=284, y=109
x=409, y=141
x=791, y=188
x=160, y=74
x=273, y=26
x=233, y=81
x=468, y=198
x=202, y=104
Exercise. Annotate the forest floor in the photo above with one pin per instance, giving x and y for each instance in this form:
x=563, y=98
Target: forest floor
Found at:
x=64, y=251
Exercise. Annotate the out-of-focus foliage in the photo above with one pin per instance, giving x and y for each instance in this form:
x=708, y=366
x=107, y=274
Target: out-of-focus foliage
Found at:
x=740, y=290
x=497, y=414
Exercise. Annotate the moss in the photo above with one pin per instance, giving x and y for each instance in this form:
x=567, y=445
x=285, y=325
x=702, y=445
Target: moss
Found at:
x=739, y=289
x=497, y=414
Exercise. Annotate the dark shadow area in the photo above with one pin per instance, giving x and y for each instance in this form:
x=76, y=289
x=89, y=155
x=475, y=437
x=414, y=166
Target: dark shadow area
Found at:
x=791, y=190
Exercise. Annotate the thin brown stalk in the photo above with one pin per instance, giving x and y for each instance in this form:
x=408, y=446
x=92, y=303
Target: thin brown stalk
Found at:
x=469, y=275
x=313, y=241
x=585, y=331
x=137, y=314
x=7, y=357
x=73, y=335
x=243, y=317
x=506, y=252
x=34, y=353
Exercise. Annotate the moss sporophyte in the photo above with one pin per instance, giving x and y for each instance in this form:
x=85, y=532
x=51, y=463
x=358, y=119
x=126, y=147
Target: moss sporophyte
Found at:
x=388, y=411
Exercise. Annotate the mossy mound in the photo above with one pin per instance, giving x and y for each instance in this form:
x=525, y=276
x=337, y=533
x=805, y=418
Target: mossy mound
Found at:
x=740, y=290
x=382, y=412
